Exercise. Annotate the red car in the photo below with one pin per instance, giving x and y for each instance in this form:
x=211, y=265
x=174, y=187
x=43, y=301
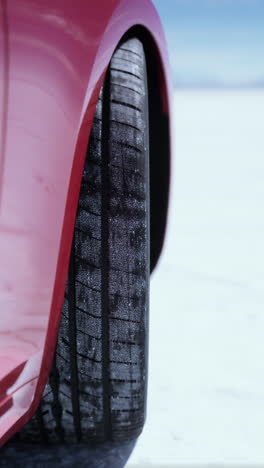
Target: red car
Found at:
x=84, y=177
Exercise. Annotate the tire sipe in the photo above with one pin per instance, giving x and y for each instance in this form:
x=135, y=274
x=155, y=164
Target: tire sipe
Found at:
x=97, y=386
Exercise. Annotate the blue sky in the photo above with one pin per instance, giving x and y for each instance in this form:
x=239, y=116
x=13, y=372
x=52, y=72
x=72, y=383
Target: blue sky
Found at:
x=215, y=42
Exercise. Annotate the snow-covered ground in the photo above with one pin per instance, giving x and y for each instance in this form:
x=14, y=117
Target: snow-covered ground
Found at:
x=206, y=387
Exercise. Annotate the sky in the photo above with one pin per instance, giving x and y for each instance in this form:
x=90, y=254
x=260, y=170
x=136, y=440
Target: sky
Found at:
x=215, y=42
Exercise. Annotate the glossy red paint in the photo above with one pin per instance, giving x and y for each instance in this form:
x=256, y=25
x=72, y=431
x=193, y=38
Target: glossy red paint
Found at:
x=3, y=81
x=57, y=53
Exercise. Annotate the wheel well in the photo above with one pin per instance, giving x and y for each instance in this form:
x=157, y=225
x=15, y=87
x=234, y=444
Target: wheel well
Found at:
x=159, y=142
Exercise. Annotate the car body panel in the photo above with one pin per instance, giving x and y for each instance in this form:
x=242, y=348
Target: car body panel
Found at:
x=57, y=57
x=2, y=83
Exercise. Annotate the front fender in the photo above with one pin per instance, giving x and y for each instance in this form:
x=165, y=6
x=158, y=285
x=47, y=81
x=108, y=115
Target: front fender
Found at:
x=58, y=55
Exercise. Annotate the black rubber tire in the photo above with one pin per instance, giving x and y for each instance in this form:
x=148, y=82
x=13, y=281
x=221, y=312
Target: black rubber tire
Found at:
x=97, y=387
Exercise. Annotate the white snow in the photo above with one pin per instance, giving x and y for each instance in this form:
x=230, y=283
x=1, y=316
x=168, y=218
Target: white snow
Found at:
x=206, y=376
